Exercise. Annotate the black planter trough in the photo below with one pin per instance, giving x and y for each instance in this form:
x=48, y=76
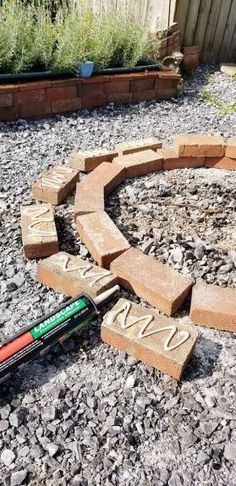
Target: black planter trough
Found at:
x=34, y=76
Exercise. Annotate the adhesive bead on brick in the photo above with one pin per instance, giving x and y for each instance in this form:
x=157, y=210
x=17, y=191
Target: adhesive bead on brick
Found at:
x=71, y=275
x=199, y=146
x=231, y=148
x=87, y=161
x=101, y=236
x=133, y=146
x=214, y=306
x=173, y=161
x=39, y=234
x=161, y=286
x=54, y=186
x=140, y=163
x=221, y=163
x=155, y=339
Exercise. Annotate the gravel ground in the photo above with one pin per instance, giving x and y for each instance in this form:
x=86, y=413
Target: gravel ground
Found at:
x=86, y=414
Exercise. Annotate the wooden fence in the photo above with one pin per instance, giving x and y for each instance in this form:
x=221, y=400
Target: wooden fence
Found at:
x=210, y=24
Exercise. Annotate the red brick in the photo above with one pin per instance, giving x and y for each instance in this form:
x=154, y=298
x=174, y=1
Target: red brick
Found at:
x=199, y=146
x=172, y=161
x=133, y=146
x=8, y=88
x=191, y=50
x=61, y=106
x=90, y=191
x=34, y=85
x=166, y=83
x=158, y=284
x=54, y=186
x=87, y=161
x=39, y=234
x=35, y=110
x=9, y=114
x=221, y=163
x=116, y=87
x=214, y=306
x=168, y=74
x=120, y=98
x=142, y=85
x=159, y=341
x=71, y=275
x=31, y=96
x=6, y=100
x=87, y=90
x=102, y=238
x=144, y=95
x=106, y=175
x=97, y=79
x=65, y=82
x=62, y=93
x=140, y=163
x=93, y=101
x=89, y=198
x=166, y=93
x=231, y=148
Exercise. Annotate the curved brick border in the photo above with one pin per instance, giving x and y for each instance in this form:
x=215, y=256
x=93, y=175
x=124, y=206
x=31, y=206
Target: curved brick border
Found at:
x=157, y=283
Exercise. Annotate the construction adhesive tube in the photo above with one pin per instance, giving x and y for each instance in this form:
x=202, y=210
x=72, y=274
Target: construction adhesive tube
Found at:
x=73, y=317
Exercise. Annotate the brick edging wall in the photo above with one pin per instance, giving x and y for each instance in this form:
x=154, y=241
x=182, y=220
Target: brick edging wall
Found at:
x=37, y=99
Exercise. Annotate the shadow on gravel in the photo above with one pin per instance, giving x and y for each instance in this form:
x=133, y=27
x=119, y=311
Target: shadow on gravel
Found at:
x=204, y=360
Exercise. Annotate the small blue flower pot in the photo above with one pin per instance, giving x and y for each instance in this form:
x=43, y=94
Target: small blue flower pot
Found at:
x=85, y=69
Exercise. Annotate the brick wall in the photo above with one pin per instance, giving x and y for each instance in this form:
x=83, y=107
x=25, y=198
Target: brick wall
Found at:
x=37, y=99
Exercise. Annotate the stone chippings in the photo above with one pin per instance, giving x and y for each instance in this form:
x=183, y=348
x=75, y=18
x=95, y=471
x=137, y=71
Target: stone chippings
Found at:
x=88, y=414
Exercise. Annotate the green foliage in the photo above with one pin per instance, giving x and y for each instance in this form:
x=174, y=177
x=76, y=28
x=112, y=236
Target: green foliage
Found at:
x=223, y=109
x=31, y=38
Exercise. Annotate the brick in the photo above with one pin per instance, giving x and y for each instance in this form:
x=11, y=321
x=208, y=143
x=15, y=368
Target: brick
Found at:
x=116, y=87
x=87, y=90
x=9, y=114
x=93, y=100
x=172, y=161
x=102, y=238
x=8, y=88
x=35, y=110
x=190, y=50
x=87, y=161
x=168, y=74
x=166, y=83
x=71, y=275
x=140, y=163
x=221, y=163
x=214, y=306
x=166, y=93
x=34, y=85
x=61, y=106
x=91, y=190
x=142, y=85
x=39, y=234
x=6, y=100
x=106, y=175
x=120, y=98
x=158, y=284
x=231, y=148
x=133, y=146
x=159, y=341
x=54, y=186
x=65, y=82
x=31, y=96
x=199, y=146
x=62, y=93
x=146, y=95
x=89, y=198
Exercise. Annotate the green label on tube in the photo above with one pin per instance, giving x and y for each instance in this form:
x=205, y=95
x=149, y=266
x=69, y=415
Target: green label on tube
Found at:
x=57, y=318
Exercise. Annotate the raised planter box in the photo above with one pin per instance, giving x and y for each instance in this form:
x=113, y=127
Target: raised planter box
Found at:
x=37, y=99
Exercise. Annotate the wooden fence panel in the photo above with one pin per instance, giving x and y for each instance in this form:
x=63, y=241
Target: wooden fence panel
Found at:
x=210, y=24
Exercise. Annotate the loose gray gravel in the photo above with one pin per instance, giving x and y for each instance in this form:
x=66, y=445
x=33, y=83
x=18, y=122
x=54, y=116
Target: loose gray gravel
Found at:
x=86, y=414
